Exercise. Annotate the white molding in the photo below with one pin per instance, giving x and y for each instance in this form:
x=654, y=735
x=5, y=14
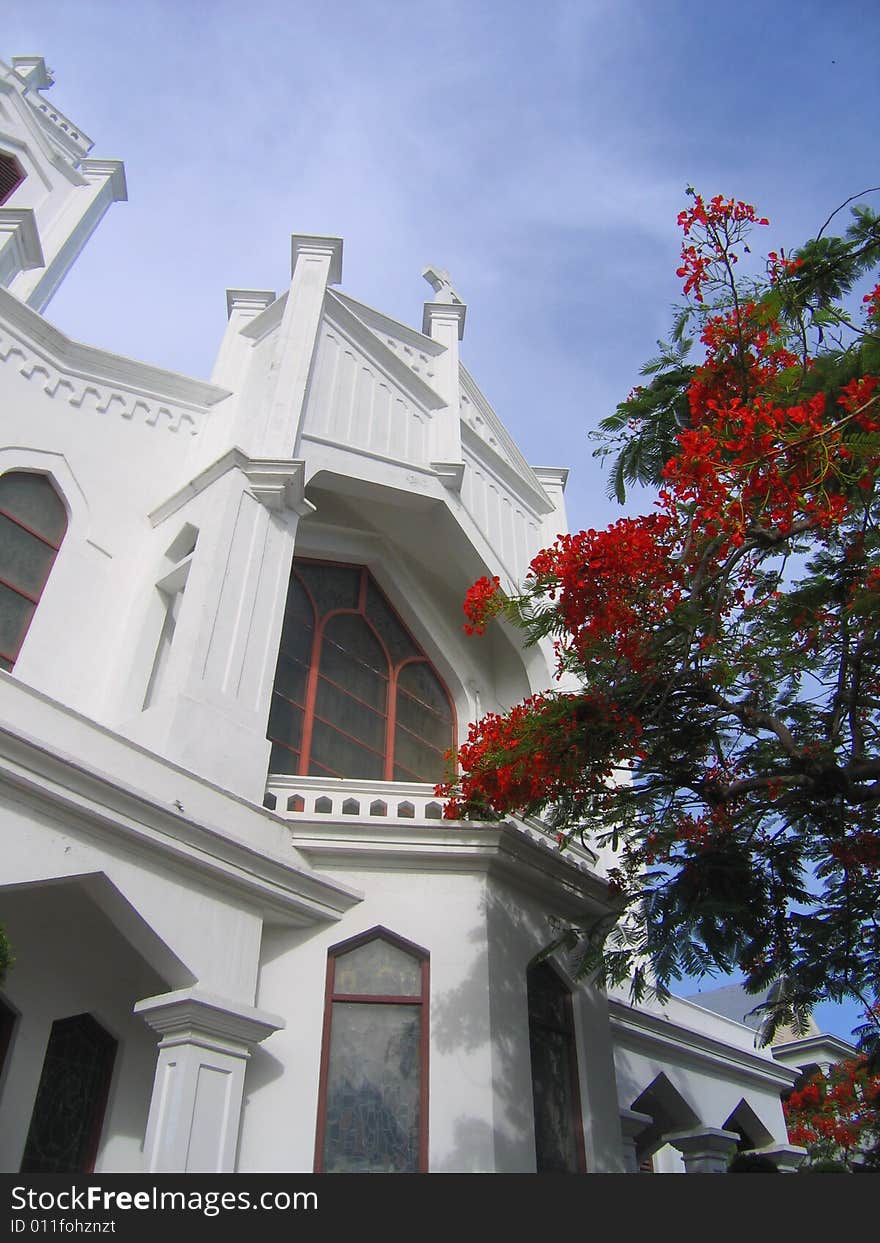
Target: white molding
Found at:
x=20, y=226
x=674, y=1043
x=338, y=316
x=188, y=1015
x=99, y=805
x=252, y=301
x=278, y=483
x=313, y=244
x=136, y=386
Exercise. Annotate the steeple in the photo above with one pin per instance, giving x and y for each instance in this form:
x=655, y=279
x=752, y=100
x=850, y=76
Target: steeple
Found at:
x=52, y=196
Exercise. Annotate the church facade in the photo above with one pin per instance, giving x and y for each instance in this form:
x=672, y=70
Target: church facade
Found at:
x=232, y=657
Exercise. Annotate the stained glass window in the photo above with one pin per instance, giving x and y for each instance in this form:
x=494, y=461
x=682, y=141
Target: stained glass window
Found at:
x=32, y=525
x=69, y=1110
x=372, y=1111
x=354, y=695
x=559, y=1141
x=11, y=175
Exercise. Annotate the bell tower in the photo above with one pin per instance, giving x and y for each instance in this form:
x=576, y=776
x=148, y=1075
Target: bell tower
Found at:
x=52, y=196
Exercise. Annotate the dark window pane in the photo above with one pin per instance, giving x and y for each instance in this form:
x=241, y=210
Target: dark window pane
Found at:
x=420, y=761
x=387, y=625
x=351, y=657
x=69, y=1109
x=332, y=586
x=378, y=969
x=554, y=1078
x=33, y=500
x=15, y=617
x=25, y=560
x=283, y=761
x=335, y=754
x=350, y=716
x=291, y=678
x=373, y=1089
x=285, y=723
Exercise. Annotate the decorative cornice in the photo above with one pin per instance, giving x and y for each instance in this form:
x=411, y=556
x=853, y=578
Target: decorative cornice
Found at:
x=671, y=1039
x=110, y=171
x=91, y=802
x=443, y=310
x=20, y=224
x=501, y=851
x=279, y=484
x=312, y=244
x=190, y=1016
x=276, y=483
x=82, y=374
x=252, y=301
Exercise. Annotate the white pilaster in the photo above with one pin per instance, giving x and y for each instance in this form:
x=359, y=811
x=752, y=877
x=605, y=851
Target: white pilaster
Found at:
x=242, y=305
x=316, y=262
x=211, y=712
x=443, y=321
x=706, y=1151
x=195, y=1110
x=65, y=236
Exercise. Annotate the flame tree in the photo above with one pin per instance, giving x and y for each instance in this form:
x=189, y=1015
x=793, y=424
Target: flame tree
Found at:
x=723, y=649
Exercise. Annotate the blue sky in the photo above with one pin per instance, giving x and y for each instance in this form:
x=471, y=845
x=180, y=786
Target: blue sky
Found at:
x=539, y=152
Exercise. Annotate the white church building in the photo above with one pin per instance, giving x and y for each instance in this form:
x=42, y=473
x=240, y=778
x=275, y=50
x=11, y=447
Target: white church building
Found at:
x=231, y=661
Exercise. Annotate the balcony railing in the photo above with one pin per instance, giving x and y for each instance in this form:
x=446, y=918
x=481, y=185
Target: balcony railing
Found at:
x=310, y=798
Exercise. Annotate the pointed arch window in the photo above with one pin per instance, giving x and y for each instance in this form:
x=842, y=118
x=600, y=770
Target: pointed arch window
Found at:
x=354, y=695
x=559, y=1132
x=33, y=522
x=373, y=1098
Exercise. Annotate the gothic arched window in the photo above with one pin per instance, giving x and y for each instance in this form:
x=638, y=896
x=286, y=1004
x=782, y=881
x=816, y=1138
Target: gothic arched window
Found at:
x=373, y=1099
x=354, y=695
x=559, y=1134
x=33, y=521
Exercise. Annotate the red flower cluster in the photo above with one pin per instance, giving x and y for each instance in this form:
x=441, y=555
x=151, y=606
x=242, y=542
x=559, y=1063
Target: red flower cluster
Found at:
x=482, y=602
x=613, y=586
x=716, y=225
x=837, y=1115
x=503, y=770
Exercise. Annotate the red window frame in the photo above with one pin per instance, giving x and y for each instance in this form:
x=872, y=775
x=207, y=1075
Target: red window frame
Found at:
x=379, y=933
x=308, y=708
x=9, y=657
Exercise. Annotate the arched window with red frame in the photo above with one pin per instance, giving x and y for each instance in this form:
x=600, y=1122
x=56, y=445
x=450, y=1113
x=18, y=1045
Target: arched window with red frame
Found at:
x=354, y=695
x=33, y=522
x=373, y=1096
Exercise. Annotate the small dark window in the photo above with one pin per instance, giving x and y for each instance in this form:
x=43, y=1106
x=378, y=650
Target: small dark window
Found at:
x=33, y=521
x=559, y=1135
x=354, y=696
x=373, y=1097
x=69, y=1110
x=11, y=175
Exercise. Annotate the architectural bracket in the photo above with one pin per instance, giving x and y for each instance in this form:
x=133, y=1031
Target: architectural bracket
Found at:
x=451, y=474
x=279, y=483
x=19, y=224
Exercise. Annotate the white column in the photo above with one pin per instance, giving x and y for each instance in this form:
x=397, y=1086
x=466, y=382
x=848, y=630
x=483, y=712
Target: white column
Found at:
x=705, y=1152
x=195, y=1111
x=786, y=1157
